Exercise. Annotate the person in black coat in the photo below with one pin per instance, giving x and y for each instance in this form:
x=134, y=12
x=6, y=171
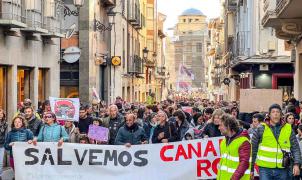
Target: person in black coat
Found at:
x=165, y=131
x=211, y=129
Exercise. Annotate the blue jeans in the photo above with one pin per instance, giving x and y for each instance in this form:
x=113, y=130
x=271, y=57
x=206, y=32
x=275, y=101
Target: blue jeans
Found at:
x=1, y=159
x=273, y=173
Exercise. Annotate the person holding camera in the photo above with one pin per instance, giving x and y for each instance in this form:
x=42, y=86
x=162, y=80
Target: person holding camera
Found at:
x=275, y=148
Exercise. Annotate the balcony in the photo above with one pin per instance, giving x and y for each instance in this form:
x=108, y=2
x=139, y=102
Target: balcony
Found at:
x=135, y=65
x=11, y=13
x=269, y=19
x=53, y=18
x=289, y=9
x=33, y=12
x=109, y=3
x=134, y=14
x=160, y=72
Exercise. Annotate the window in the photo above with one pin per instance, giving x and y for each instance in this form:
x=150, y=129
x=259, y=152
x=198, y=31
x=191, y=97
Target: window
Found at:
x=150, y=13
x=184, y=20
x=190, y=20
x=41, y=84
x=198, y=47
x=49, y=8
x=23, y=84
x=150, y=24
x=33, y=5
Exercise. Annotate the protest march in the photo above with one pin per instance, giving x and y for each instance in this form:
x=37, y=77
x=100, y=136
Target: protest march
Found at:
x=172, y=139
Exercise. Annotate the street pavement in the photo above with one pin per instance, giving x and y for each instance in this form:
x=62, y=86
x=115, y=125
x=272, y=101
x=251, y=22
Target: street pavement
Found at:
x=8, y=174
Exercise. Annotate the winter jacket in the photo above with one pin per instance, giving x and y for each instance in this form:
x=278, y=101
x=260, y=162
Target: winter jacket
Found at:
x=34, y=124
x=257, y=139
x=149, y=130
x=17, y=135
x=133, y=135
x=169, y=131
x=73, y=134
x=211, y=130
x=52, y=133
x=113, y=124
x=3, y=132
x=244, y=154
x=182, y=129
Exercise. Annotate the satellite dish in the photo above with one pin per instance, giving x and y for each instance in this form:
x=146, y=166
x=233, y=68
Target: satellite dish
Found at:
x=72, y=54
x=70, y=31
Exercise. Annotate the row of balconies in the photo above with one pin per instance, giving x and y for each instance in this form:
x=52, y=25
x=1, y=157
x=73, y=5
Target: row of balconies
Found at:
x=135, y=16
x=36, y=16
x=135, y=65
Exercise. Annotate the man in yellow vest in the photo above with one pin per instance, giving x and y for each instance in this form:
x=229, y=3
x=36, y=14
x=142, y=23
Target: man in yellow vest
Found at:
x=269, y=154
x=235, y=150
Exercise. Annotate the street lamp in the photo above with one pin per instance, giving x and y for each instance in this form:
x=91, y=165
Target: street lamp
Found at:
x=111, y=16
x=78, y=3
x=145, y=53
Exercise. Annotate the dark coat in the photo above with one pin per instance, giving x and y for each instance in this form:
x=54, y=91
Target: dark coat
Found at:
x=83, y=124
x=133, y=135
x=182, y=129
x=169, y=131
x=211, y=130
x=113, y=125
x=34, y=124
x=3, y=132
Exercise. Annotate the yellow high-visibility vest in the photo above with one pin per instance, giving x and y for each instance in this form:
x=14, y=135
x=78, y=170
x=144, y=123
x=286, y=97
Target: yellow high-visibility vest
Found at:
x=269, y=152
x=229, y=161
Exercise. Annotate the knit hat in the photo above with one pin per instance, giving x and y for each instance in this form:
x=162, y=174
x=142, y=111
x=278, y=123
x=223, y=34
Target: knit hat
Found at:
x=274, y=106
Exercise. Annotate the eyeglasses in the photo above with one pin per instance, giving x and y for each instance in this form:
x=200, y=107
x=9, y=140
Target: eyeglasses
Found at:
x=47, y=117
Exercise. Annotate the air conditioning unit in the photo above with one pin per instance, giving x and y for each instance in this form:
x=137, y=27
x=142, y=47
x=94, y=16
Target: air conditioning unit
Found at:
x=264, y=67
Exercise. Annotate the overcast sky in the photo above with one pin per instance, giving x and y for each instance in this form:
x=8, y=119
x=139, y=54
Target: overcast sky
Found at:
x=173, y=8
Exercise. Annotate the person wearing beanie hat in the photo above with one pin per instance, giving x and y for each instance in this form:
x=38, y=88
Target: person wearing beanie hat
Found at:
x=269, y=142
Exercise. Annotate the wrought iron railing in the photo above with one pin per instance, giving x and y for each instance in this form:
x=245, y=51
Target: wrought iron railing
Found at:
x=11, y=10
x=280, y=4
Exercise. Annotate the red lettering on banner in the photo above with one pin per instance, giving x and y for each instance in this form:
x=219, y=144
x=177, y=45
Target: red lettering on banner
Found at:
x=162, y=153
x=192, y=149
x=180, y=152
x=205, y=168
x=210, y=148
x=215, y=165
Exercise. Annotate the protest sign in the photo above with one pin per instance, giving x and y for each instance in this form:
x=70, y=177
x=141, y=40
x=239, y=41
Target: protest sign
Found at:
x=259, y=99
x=65, y=108
x=197, y=159
x=98, y=133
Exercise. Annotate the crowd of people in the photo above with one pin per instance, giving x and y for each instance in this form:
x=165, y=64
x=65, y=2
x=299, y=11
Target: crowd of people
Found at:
x=264, y=137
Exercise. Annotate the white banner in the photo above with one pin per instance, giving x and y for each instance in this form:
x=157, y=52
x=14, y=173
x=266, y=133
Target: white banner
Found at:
x=197, y=159
x=65, y=108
